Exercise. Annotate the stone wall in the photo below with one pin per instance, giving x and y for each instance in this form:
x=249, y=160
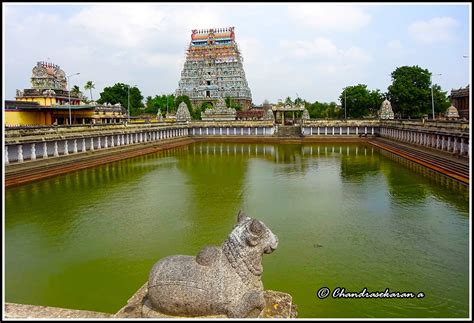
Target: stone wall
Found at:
x=30, y=144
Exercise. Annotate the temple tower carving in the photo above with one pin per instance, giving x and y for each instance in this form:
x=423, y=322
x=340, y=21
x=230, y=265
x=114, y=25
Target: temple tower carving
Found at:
x=213, y=69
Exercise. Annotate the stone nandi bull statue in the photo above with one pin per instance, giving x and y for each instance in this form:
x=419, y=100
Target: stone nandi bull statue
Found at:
x=222, y=280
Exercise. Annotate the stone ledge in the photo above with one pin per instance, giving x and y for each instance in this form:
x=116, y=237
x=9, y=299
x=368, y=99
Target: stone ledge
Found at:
x=278, y=305
x=22, y=311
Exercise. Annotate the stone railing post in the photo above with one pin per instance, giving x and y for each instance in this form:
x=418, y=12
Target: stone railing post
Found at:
x=56, y=152
x=45, y=150
x=33, y=152
x=20, y=153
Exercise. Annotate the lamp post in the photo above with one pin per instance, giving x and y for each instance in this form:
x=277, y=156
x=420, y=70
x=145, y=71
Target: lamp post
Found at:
x=345, y=105
x=128, y=105
x=432, y=99
x=69, y=90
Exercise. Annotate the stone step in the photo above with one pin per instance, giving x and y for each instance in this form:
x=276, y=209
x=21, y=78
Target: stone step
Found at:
x=290, y=131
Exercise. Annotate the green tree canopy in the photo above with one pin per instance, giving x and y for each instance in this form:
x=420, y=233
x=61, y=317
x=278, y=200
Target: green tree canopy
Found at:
x=196, y=112
x=361, y=102
x=440, y=99
x=118, y=93
x=164, y=103
x=230, y=103
x=322, y=110
x=410, y=92
x=185, y=99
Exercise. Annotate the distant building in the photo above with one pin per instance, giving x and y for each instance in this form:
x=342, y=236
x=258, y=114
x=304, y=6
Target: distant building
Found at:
x=21, y=113
x=460, y=99
x=49, y=102
x=213, y=69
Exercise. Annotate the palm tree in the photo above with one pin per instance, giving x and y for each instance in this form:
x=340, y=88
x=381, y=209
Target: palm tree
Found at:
x=89, y=86
x=75, y=89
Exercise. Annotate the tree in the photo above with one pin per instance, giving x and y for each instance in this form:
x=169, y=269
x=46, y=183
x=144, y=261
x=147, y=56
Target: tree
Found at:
x=75, y=90
x=118, y=93
x=89, y=86
x=185, y=99
x=410, y=92
x=228, y=101
x=164, y=102
x=441, y=100
x=360, y=101
x=288, y=101
x=236, y=106
x=376, y=99
x=196, y=112
x=298, y=101
x=319, y=110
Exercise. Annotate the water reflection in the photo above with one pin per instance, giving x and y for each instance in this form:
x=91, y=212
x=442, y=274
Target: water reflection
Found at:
x=344, y=213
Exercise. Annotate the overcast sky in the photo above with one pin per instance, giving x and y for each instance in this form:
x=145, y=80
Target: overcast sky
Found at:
x=311, y=49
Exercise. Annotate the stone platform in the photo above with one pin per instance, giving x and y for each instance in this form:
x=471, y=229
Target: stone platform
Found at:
x=278, y=305
x=23, y=311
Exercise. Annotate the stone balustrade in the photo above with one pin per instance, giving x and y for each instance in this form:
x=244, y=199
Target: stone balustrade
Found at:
x=447, y=136
x=30, y=144
x=47, y=144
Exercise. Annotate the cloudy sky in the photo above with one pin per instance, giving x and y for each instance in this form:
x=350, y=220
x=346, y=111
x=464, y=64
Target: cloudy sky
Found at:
x=313, y=50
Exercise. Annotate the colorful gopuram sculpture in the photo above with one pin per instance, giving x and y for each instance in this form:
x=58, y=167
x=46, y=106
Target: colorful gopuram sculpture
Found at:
x=213, y=69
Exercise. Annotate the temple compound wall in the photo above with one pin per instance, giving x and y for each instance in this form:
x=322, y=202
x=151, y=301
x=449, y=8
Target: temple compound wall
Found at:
x=30, y=144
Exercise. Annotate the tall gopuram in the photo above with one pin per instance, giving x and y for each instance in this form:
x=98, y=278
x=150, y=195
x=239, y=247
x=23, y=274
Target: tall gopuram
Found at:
x=213, y=69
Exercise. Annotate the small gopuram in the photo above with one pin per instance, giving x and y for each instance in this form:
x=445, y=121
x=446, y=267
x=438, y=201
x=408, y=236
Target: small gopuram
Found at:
x=48, y=87
x=213, y=69
x=452, y=113
x=183, y=115
x=281, y=112
x=386, y=111
x=219, y=113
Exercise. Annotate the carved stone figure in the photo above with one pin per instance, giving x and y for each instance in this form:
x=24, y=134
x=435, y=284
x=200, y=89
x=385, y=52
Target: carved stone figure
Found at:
x=223, y=280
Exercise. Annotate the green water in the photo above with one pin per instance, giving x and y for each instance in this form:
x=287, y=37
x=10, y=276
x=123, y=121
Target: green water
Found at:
x=346, y=215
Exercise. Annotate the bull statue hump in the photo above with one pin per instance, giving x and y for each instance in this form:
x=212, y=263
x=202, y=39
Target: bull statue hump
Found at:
x=223, y=280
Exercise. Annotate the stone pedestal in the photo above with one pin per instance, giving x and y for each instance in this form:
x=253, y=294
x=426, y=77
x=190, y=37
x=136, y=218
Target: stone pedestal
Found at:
x=278, y=305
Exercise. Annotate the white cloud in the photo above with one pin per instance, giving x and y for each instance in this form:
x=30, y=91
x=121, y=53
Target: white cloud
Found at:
x=143, y=25
x=329, y=17
x=323, y=49
x=311, y=49
x=394, y=45
x=438, y=29
x=318, y=47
